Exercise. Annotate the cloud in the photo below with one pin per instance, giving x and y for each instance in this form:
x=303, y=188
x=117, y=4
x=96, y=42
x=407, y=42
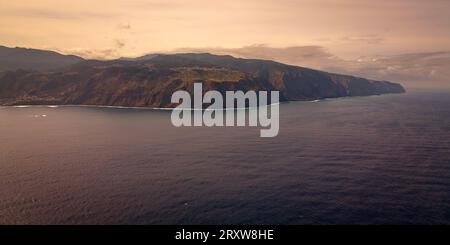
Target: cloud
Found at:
x=411, y=69
x=53, y=14
x=119, y=44
x=414, y=69
x=311, y=56
x=100, y=54
x=113, y=52
x=126, y=26
x=367, y=39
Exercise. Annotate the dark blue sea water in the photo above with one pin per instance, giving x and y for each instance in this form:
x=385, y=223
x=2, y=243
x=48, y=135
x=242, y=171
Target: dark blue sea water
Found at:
x=366, y=160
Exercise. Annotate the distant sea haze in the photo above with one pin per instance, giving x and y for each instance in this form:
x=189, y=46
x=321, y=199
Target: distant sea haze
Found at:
x=361, y=160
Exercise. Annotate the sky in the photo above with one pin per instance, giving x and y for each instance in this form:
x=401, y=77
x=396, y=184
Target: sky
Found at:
x=397, y=39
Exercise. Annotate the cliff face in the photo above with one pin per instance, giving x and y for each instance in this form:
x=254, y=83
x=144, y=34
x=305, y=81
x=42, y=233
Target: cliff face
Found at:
x=150, y=83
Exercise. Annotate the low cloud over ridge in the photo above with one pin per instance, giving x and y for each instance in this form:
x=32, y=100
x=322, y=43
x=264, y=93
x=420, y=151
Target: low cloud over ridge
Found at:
x=413, y=69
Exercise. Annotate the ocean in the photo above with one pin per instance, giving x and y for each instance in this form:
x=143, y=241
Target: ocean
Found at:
x=360, y=160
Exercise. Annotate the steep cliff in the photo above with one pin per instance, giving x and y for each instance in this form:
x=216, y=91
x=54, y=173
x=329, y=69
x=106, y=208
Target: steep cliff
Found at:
x=150, y=83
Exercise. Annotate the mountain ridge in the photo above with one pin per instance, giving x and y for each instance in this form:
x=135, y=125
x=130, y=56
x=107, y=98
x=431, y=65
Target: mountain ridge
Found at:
x=151, y=82
x=34, y=59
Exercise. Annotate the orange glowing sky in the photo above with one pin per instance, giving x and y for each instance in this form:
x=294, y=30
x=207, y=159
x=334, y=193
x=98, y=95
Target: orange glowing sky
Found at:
x=133, y=27
x=348, y=29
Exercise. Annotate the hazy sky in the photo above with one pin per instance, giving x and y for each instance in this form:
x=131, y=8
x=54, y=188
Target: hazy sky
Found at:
x=344, y=29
